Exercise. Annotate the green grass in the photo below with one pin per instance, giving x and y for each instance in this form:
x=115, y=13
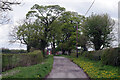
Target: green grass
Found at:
x=95, y=69
x=35, y=71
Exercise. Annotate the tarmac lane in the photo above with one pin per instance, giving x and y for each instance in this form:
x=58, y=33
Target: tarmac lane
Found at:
x=63, y=68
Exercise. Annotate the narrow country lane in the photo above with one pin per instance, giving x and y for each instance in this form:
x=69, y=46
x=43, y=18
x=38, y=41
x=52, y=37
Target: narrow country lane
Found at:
x=64, y=68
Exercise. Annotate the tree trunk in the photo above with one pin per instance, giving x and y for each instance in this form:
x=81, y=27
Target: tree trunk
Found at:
x=97, y=42
x=63, y=52
x=85, y=48
x=97, y=45
x=43, y=45
x=53, y=49
x=28, y=48
x=69, y=51
x=43, y=50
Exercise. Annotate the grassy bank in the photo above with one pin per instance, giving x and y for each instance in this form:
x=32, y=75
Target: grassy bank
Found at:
x=95, y=69
x=35, y=71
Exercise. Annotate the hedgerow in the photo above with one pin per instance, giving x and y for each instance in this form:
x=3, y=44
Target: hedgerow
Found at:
x=34, y=72
x=10, y=61
x=107, y=56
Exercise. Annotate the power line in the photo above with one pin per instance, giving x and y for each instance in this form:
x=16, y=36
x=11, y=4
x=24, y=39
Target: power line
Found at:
x=89, y=7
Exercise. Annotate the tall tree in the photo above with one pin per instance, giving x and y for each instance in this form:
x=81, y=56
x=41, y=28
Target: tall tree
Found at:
x=69, y=20
x=54, y=34
x=45, y=15
x=98, y=29
x=82, y=41
x=28, y=33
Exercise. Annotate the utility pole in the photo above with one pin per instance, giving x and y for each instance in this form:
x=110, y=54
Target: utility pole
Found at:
x=77, y=40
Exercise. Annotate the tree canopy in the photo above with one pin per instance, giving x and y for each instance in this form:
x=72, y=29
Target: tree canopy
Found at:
x=69, y=22
x=53, y=25
x=98, y=29
x=37, y=32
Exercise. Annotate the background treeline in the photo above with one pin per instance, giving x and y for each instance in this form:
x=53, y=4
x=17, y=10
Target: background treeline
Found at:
x=13, y=51
x=10, y=61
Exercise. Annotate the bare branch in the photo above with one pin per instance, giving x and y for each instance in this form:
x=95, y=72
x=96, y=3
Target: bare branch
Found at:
x=6, y=5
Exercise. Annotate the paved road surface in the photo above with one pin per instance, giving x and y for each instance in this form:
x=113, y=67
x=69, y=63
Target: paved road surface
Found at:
x=64, y=68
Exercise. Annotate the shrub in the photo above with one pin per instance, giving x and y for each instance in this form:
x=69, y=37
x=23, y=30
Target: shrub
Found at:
x=14, y=60
x=73, y=54
x=108, y=56
x=111, y=56
x=91, y=55
x=85, y=54
x=95, y=55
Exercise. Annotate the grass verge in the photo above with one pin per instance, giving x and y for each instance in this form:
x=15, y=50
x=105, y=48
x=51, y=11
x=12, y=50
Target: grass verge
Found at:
x=95, y=69
x=35, y=71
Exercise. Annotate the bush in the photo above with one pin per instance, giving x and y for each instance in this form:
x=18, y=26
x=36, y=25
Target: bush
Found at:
x=85, y=54
x=95, y=55
x=92, y=55
x=111, y=56
x=108, y=56
x=73, y=54
x=14, y=60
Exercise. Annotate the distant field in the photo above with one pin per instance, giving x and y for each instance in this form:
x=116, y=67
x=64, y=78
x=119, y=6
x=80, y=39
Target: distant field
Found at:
x=13, y=51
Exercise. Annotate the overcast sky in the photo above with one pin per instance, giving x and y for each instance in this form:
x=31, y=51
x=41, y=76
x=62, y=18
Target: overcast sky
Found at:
x=81, y=6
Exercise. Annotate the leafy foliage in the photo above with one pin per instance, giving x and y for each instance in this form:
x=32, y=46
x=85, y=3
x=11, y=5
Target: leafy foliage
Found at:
x=52, y=25
x=111, y=56
x=107, y=56
x=35, y=31
x=68, y=36
x=98, y=29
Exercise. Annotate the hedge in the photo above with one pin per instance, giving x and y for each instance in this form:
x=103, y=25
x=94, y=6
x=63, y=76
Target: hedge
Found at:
x=34, y=72
x=10, y=61
x=94, y=55
x=107, y=56
x=111, y=56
